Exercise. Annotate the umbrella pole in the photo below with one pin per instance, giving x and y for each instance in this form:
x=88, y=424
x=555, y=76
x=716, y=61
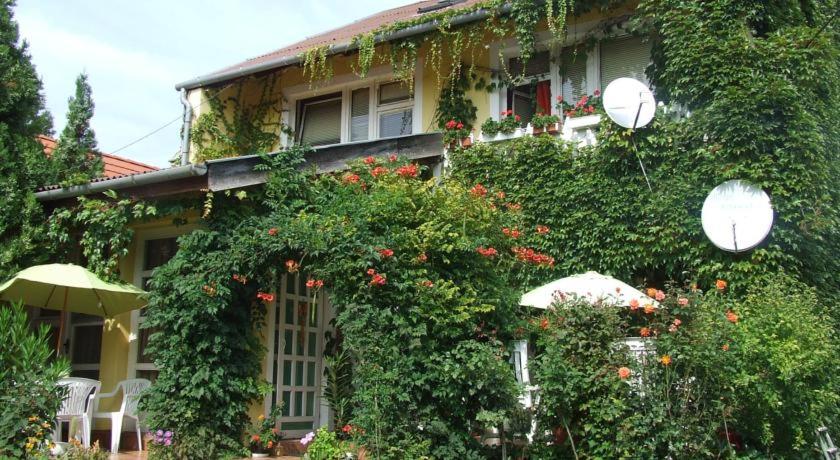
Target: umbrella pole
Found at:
x=61, y=324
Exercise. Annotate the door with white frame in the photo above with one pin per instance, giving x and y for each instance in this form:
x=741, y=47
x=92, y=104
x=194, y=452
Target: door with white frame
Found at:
x=298, y=329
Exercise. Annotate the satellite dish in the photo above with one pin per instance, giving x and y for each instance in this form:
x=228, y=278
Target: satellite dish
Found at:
x=629, y=103
x=737, y=216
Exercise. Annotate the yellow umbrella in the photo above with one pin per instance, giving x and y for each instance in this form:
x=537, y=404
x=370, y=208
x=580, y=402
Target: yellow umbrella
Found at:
x=72, y=288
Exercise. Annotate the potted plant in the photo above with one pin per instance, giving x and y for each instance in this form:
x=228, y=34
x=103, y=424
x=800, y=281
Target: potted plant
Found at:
x=455, y=134
x=263, y=436
x=509, y=123
x=587, y=105
x=489, y=128
x=545, y=124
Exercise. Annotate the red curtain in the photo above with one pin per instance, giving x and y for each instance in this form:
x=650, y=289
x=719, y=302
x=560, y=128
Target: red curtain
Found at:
x=544, y=97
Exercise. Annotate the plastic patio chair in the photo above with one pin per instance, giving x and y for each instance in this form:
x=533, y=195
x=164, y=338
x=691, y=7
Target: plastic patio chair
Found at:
x=131, y=390
x=81, y=393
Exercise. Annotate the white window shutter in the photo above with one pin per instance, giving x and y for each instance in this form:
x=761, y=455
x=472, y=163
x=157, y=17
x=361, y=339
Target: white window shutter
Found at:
x=624, y=57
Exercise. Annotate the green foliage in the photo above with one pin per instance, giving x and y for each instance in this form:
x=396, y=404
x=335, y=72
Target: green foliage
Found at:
x=77, y=451
x=209, y=361
x=315, y=64
x=326, y=446
x=100, y=228
x=23, y=165
x=76, y=158
x=453, y=104
x=338, y=391
x=235, y=126
x=743, y=371
x=29, y=395
x=526, y=14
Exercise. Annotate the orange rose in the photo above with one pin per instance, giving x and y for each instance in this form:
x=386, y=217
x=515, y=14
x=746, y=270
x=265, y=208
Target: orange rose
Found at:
x=720, y=285
x=725, y=347
x=649, y=308
x=623, y=373
x=732, y=317
x=634, y=304
x=270, y=444
x=651, y=292
x=255, y=438
x=644, y=332
x=665, y=360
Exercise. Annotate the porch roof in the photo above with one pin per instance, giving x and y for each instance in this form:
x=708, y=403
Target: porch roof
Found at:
x=238, y=172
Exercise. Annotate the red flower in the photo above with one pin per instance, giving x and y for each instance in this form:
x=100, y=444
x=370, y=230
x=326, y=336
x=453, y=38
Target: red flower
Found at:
x=350, y=178
x=255, y=438
x=272, y=231
x=514, y=206
x=559, y=98
x=584, y=100
x=542, y=229
x=720, y=285
x=731, y=317
x=370, y=160
x=427, y=283
x=531, y=256
x=677, y=322
x=634, y=304
x=378, y=280
x=292, y=266
x=317, y=284
x=649, y=308
x=422, y=257
x=478, y=191
x=517, y=118
x=264, y=296
x=487, y=252
x=544, y=323
x=409, y=170
x=725, y=347
x=392, y=157
x=379, y=171
x=460, y=125
x=371, y=271
x=500, y=195
x=451, y=124
x=385, y=253
x=644, y=332
x=347, y=428
x=659, y=295
x=597, y=93
x=682, y=301
x=623, y=373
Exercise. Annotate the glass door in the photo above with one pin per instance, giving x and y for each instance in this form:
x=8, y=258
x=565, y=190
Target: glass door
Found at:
x=298, y=349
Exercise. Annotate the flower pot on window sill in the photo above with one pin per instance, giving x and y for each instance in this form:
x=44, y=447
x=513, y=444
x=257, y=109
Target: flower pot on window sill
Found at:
x=518, y=132
x=552, y=129
x=463, y=143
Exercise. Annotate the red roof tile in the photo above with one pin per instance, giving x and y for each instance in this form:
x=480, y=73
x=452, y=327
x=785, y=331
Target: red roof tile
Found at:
x=114, y=166
x=346, y=33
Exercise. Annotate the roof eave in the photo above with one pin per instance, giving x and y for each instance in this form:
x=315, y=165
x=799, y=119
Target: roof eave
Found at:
x=285, y=61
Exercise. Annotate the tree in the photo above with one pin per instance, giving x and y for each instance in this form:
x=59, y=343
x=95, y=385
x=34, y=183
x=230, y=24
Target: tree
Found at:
x=23, y=166
x=75, y=155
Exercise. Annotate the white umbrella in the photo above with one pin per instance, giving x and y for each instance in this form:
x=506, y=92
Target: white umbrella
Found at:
x=591, y=286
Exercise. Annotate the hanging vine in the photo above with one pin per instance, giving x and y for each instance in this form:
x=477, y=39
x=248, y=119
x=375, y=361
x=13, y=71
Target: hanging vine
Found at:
x=315, y=64
x=367, y=51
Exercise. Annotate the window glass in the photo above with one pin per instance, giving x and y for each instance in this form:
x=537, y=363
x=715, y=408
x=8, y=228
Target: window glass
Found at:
x=393, y=92
x=87, y=344
x=395, y=123
x=142, y=342
x=159, y=251
x=573, y=74
x=529, y=99
x=624, y=57
x=539, y=64
x=359, y=114
x=321, y=121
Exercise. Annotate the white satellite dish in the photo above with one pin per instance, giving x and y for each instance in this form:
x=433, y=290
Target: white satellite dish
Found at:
x=737, y=216
x=629, y=103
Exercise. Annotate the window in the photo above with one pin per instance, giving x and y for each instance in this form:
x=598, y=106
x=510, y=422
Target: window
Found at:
x=320, y=120
x=156, y=252
x=572, y=74
x=533, y=95
x=394, y=108
x=360, y=114
x=624, y=57
x=85, y=341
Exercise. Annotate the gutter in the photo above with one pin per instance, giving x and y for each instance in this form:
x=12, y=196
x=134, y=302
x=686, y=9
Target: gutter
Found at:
x=334, y=49
x=185, y=128
x=119, y=183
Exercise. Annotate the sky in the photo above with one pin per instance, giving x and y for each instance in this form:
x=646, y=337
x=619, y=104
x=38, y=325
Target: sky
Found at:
x=134, y=53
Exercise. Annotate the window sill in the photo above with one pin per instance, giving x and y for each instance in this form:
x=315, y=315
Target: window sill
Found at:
x=577, y=129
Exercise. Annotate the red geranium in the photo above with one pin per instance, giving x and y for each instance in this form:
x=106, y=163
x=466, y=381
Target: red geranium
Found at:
x=385, y=253
x=478, y=191
x=370, y=160
x=409, y=170
x=265, y=296
x=379, y=171
x=272, y=231
x=487, y=252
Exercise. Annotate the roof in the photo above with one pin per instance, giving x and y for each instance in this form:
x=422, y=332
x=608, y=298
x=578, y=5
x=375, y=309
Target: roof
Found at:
x=113, y=165
x=340, y=36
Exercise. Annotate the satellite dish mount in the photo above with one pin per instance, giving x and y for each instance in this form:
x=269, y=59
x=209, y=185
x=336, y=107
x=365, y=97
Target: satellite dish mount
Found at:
x=630, y=103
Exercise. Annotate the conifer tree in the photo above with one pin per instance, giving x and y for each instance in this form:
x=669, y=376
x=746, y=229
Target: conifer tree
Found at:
x=23, y=165
x=75, y=156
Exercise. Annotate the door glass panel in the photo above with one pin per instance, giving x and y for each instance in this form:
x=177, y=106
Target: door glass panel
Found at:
x=310, y=373
x=312, y=343
x=299, y=373
x=287, y=403
x=310, y=403
x=287, y=373
x=298, y=409
x=290, y=311
x=287, y=346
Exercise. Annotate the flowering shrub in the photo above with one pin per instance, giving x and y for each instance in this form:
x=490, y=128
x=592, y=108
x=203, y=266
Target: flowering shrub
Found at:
x=324, y=445
x=454, y=131
x=263, y=436
x=703, y=387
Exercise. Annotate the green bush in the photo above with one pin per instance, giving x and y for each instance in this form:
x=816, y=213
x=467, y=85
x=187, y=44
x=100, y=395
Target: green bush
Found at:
x=756, y=372
x=29, y=396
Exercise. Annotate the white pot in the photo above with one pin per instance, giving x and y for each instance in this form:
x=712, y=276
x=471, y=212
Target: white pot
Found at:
x=256, y=455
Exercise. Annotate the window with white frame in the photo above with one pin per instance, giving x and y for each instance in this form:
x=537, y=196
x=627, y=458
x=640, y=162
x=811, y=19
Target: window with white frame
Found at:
x=623, y=57
x=155, y=252
x=530, y=92
x=375, y=111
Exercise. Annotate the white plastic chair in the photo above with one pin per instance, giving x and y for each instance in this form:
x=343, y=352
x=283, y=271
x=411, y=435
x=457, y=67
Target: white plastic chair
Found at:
x=78, y=403
x=131, y=391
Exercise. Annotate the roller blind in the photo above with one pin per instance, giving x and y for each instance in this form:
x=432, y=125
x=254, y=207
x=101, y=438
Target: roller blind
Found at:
x=393, y=92
x=359, y=114
x=539, y=64
x=395, y=123
x=624, y=57
x=573, y=73
x=321, y=122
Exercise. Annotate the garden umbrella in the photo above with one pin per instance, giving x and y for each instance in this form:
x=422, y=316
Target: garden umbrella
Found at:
x=591, y=286
x=72, y=288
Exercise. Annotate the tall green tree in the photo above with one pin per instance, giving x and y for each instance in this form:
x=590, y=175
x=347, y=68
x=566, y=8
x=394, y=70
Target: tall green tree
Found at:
x=75, y=155
x=23, y=166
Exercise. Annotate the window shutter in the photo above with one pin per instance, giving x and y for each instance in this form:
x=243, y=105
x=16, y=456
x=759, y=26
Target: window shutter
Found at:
x=624, y=57
x=360, y=114
x=573, y=71
x=322, y=122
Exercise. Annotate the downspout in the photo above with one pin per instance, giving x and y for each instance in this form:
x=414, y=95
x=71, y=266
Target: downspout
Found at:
x=186, y=127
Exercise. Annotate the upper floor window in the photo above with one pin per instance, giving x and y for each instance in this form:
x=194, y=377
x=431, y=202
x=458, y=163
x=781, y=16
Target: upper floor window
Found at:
x=376, y=111
x=531, y=92
x=623, y=57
